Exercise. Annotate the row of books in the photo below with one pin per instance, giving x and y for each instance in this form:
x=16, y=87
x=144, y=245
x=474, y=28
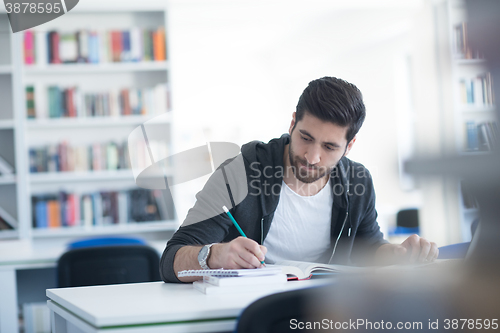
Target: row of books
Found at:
x=63, y=102
x=461, y=47
x=64, y=157
x=66, y=209
x=87, y=46
x=482, y=136
x=477, y=91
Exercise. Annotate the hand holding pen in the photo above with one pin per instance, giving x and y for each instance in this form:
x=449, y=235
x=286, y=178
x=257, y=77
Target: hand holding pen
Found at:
x=241, y=252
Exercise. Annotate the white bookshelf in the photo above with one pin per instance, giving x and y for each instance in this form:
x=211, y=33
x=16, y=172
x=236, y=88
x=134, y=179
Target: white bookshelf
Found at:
x=7, y=124
x=5, y=69
x=478, y=112
x=27, y=133
x=105, y=68
x=89, y=122
x=7, y=179
x=129, y=228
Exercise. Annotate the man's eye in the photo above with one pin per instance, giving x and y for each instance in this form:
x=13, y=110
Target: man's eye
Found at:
x=305, y=139
x=330, y=148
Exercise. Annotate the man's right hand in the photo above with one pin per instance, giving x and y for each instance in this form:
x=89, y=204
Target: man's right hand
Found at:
x=239, y=253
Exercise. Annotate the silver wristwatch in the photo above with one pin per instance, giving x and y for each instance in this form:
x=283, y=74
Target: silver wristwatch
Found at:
x=203, y=256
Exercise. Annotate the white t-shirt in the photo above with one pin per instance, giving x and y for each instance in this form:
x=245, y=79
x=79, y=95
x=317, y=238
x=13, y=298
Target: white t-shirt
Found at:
x=301, y=226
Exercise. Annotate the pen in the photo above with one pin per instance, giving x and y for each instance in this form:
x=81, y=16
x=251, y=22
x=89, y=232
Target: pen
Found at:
x=237, y=226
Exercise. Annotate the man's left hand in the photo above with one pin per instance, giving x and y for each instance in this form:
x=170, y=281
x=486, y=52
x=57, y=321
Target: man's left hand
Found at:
x=413, y=250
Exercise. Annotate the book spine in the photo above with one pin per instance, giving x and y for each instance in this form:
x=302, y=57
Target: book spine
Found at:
x=29, y=55
x=30, y=102
x=472, y=139
x=54, y=45
x=41, y=48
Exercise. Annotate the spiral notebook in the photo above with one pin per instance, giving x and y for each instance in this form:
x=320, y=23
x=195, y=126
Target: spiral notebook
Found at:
x=231, y=272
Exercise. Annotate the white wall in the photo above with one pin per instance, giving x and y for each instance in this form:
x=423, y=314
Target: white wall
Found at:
x=238, y=68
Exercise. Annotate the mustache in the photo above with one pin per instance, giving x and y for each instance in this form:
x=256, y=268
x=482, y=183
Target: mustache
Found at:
x=306, y=164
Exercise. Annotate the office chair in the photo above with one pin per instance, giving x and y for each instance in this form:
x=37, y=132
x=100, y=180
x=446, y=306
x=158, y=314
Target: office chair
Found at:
x=407, y=221
x=272, y=314
x=102, y=265
x=101, y=241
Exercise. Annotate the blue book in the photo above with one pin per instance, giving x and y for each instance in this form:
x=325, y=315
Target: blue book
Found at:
x=93, y=48
x=41, y=214
x=472, y=138
x=32, y=155
x=125, y=56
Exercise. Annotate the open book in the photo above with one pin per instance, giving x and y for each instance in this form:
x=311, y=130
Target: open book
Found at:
x=299, y=269
x=303, y=270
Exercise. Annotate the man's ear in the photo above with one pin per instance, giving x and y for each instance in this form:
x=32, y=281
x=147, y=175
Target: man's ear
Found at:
x=349, y=146
x=292, y=124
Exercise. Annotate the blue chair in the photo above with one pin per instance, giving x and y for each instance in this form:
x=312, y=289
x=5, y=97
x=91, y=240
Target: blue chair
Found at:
x=407, y=222
x=105, y=241
x=107, y=260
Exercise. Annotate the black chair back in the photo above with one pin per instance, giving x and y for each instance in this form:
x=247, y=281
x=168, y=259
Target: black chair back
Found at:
x=108, y=265
x=272, y=314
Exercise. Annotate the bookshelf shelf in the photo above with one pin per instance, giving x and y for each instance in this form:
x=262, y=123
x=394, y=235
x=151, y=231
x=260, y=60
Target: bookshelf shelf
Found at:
x=7, y=179
x=470, y=61
x=5, y=69
x=66, y=177
x=92, y=122
x=477, y=109
x=8, y=234
x=75, y=177
x=470, y=153
x=6, y=124
x=97, y=68
x=132, y=227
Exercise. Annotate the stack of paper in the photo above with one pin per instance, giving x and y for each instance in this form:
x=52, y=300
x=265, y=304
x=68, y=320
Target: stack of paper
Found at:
x=226, y=281
x=239, y=284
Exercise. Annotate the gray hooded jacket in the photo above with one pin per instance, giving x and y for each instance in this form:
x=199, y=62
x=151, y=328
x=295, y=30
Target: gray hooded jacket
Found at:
x=355, y=233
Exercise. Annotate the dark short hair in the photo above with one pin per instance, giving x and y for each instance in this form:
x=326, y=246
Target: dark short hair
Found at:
x=334, y=100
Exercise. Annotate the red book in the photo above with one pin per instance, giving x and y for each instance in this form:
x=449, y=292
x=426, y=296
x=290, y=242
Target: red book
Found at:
x=54, y=45
x=63, y=158
x=116, y=46
x=71, y=216
x=70, y=102
x=29, y=52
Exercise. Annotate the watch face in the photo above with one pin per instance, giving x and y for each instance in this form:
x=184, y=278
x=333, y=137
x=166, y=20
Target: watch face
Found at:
x=203, y=253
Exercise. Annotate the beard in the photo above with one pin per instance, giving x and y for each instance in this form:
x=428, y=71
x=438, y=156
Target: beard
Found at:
x=304, y=175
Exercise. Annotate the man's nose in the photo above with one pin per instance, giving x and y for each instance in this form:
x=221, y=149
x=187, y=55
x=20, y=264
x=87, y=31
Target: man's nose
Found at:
x=313, y=155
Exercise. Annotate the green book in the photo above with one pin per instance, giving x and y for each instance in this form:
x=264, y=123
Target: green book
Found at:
x=30, y=102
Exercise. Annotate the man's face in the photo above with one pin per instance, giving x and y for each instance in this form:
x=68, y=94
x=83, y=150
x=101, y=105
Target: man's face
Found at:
x=316, y=147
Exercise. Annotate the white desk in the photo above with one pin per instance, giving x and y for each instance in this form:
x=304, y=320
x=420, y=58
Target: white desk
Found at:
x=150, y=307
x=18, y=255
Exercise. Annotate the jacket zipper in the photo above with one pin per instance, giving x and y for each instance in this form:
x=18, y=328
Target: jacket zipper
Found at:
x=262, y=231
x=340, y=234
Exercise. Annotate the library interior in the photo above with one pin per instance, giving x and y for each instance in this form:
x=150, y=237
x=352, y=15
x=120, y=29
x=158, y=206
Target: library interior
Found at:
x=119, y=119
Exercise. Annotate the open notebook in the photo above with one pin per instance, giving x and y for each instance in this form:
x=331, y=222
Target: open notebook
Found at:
x=298, y=269
x=303, y=270
x=231, y=272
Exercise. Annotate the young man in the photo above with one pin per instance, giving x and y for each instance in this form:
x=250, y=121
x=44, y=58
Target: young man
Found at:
x=306, y=200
